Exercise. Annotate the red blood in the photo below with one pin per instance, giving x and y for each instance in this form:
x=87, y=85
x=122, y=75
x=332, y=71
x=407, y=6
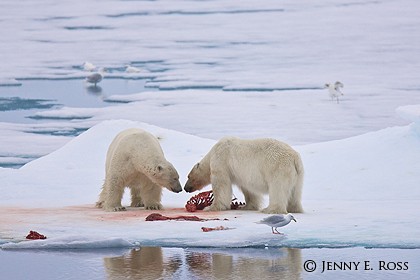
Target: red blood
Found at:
x=35, y=235
x=156, y=217
x=190, y=207
x=207, y=229
x=160, y=217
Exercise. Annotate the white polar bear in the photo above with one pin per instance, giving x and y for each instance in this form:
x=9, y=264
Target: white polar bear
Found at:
x=256, y=167
x=135, y=159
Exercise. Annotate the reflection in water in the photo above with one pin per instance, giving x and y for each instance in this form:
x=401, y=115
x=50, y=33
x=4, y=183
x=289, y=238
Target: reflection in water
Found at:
x=246, y=263
x=241, y=263
x=95, y=90
x=202, y=263
x=143, y=263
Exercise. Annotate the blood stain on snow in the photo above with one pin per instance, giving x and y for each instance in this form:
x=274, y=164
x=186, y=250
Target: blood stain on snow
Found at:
x=141, y=214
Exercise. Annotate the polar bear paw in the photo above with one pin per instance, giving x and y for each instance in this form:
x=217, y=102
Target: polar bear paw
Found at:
x=137, y=204
x=269, y=210
x=99, y=204
x=249, y=207
x=214, y=207
x=156, y=206
x=119, y=208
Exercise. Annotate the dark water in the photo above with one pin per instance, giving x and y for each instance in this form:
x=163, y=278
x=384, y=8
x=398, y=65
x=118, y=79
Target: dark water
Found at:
x=18, y=103
x=205, y=263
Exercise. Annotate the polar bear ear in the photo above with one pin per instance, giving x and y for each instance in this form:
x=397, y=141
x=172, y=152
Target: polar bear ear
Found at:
x=197, y=165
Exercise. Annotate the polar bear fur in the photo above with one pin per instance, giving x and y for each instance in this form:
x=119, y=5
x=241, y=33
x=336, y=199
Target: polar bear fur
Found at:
x=135, y=159
x=256, y=167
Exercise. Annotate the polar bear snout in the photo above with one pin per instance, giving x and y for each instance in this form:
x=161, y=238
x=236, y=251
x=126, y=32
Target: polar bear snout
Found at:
x=190, y=186
x=198, y=178
x=176, y=187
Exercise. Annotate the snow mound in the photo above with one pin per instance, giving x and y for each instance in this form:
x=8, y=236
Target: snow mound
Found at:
x=411, y=113
x=74, y=173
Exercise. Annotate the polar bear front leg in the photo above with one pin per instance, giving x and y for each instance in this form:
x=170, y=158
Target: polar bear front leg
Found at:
x=222, y=192
x=151, y=195
x=113, y=193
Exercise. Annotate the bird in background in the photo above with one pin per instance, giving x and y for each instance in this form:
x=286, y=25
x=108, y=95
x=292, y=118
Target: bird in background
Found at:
x=96, y=77
x=334, y=90
x=132, y=69
x=87, y=66
x=276, y=221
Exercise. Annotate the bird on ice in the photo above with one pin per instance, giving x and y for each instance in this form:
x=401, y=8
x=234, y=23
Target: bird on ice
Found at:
x=276, y=221
x=87, y=66
x=96, y=77
x=132, y=69
x=334, y=90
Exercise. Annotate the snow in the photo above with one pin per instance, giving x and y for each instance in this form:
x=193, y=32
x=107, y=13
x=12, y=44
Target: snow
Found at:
x=217, y=68
x=411, y=113
x=349, y=189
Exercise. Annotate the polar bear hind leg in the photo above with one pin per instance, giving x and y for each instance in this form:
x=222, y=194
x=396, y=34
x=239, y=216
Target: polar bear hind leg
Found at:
x=252, y=200
x=279, y=194
x=295, y=205
x=112, y=192
x=100, y=202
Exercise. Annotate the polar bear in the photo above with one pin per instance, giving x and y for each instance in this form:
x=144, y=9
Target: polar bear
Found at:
x=256, y=167
x=135, y=159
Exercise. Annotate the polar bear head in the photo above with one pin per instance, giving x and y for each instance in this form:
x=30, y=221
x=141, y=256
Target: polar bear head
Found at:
x=165, y=175
x=198, y=178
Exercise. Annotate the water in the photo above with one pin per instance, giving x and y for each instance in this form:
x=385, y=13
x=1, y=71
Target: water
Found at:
x=19, y=103
x=206, y=263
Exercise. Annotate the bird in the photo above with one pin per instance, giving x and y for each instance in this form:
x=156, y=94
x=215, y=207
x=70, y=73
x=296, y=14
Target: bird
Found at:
x=87, y=66
x=132, y=69
x=276, y=221
x=334, y=90
x=96, y=77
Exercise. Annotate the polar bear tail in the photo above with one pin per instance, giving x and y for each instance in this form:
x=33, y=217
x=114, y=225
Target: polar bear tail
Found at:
x=295, y=200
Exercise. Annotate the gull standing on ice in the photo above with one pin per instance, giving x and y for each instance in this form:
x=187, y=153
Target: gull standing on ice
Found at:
x=276, y=221
x=132, y=69
x=87, y=66
x=334, y=90
x=96, y=77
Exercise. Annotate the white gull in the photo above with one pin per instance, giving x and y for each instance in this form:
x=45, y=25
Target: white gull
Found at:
x=96, y=77
x=132, y=69
x=87, y=66
x=334, y=90
x=276, y=221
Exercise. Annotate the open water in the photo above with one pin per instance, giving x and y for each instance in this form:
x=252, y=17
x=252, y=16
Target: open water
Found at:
x=19, y=103
x=206, y=263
